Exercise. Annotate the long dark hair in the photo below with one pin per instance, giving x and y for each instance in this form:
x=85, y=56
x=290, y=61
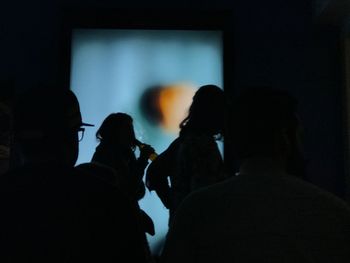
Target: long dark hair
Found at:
x=206, y=113
x=111, y=127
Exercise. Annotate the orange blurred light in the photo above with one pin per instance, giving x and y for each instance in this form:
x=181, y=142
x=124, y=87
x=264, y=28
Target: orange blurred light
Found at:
x=174, y=102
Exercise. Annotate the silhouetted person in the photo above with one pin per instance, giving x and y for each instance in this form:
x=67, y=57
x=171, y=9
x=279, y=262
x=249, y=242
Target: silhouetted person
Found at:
x=50, y=211
x=5, y=137
x=116, y=150
x=266, y=213
x=193, y=160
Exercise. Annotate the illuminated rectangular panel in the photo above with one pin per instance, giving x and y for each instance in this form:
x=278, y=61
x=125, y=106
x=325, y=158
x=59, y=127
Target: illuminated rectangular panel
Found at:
x=112, y=69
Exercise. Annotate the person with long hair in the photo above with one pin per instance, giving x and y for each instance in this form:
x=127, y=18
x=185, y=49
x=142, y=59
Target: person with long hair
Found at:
x=116, y=150
x=193, y=160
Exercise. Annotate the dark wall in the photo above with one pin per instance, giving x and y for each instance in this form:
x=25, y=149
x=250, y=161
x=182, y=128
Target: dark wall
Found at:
x=275, y=43
x=280, y=45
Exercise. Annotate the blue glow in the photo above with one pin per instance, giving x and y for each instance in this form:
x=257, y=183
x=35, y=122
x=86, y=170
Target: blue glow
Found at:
x=112, y=68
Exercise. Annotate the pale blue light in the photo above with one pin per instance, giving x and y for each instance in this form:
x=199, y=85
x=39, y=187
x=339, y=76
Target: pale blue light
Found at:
x=112, y=68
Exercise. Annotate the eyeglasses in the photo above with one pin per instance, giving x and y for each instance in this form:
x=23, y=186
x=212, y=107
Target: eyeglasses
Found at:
x=81, y=134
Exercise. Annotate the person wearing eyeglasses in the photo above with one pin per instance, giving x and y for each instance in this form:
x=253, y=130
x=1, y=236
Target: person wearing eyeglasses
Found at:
x=51, y=211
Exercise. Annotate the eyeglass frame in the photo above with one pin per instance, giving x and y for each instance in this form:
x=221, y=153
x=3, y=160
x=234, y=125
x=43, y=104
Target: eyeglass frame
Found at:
x=81, y=131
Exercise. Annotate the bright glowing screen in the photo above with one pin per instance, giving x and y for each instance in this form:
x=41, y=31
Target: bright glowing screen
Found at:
x=148, y=74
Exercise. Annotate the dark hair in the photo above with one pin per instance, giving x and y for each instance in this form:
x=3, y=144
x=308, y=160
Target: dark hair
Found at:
x=46, y=121
x=257, y=114
x=112, y=125
x=48, y=110
x=206, y=113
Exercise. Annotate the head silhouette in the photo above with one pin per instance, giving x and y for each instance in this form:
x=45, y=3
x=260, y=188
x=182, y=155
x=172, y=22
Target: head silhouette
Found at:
x=265, y=124
x=206, y=113
x=46, y=124
x=117, y=128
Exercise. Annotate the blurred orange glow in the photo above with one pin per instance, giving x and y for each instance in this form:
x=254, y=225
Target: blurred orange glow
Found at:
x=174, y=102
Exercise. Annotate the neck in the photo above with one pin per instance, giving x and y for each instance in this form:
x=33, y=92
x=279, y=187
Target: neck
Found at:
x=262, y=165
